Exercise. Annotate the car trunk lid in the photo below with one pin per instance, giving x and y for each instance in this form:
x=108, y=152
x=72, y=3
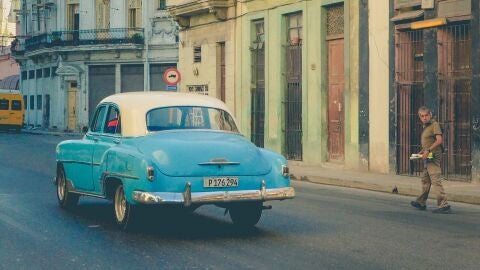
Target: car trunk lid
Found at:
x=204, y=153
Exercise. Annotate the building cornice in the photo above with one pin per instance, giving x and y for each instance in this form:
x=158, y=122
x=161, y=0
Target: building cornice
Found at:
x=182, y=12
x=77, y=49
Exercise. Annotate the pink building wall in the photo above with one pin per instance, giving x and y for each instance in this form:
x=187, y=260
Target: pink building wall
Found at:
x=8, y=66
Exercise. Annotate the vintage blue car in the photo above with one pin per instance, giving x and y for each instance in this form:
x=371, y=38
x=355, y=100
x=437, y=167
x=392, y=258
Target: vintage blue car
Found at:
x=149, y=148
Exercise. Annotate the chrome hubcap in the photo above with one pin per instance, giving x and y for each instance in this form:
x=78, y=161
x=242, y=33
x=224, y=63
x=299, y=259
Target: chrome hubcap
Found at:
x=61, y=187
x=120, y=204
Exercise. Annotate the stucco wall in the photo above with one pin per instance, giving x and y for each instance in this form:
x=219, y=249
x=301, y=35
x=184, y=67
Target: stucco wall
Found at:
x=8, y=66
x=163, y=49
x=379, y=85
x=208, y=35
x=314, y=68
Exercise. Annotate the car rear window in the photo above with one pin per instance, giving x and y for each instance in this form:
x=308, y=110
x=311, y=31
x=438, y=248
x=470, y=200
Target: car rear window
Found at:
x=16, y=105
x=4, y=104
x=190, y=117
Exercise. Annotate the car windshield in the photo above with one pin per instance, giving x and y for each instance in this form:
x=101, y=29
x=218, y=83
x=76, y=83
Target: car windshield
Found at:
x=189, y=117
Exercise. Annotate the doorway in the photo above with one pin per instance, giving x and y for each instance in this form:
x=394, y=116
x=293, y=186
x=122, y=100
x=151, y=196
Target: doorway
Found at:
x=336, y=83
x=46, y=112
x=293, y=92
x=72, y=106
x=453, y=98
x=73, y=21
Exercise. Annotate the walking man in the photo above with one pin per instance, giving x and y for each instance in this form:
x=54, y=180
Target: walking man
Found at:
x=431, y=153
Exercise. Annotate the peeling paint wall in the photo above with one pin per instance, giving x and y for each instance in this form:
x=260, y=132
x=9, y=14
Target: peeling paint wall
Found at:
x=379, y=85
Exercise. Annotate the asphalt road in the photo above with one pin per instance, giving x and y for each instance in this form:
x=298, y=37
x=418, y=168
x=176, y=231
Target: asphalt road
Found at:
x=323, y=228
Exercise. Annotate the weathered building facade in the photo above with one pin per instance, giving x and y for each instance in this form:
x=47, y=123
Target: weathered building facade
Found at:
x=8, y=19
x=436, y=52
x=292, y=75
x=74, y=53
x=339, y=83
x=207, y=47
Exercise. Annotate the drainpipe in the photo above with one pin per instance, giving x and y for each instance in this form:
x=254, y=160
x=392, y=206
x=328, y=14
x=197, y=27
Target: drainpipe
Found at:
x=475, y=92
x=147, y=63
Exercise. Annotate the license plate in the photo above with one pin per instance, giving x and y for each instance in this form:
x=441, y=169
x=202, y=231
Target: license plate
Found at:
x=220, y=182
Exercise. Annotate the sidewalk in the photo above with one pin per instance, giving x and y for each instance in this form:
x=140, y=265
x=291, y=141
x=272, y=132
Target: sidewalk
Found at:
x=456, y=191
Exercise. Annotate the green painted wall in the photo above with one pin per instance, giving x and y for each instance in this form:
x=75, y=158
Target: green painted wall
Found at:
x=314, y=86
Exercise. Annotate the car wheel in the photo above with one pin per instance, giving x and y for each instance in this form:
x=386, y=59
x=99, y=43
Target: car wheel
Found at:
x=65, y=198
x=245, y=214
x=123, y=211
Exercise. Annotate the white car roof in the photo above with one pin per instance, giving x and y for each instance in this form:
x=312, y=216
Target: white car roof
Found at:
x=134, y=106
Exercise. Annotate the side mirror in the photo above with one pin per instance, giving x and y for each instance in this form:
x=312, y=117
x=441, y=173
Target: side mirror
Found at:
x=84, y=129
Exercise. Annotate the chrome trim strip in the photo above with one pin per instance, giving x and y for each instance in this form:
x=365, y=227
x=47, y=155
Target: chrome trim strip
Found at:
x=88, y=194
x=75, y=161
x=79, y=162
x=187, y=198
x=72, y=189
x=219, y=163
x=121, y=175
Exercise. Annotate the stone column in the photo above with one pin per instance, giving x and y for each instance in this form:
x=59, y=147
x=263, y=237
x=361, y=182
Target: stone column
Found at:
x=379, y=78
x=430, y=65
x=118, y=78
x=61, y=15
x=475, y=110
x=351, y=92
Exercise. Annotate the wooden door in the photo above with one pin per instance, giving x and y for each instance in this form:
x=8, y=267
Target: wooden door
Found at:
x=336, y=126
x=72, y=106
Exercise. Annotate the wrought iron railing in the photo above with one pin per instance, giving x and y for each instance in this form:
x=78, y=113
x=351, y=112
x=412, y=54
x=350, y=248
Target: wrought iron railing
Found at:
x=86, y=37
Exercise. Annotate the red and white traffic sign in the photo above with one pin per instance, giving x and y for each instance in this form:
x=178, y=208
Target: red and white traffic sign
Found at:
x=171, y=76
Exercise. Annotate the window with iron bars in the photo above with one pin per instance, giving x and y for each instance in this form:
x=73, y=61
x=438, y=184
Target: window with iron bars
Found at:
x=257, y=118
x=293, y=90
x=294, y=28
x=197, y=54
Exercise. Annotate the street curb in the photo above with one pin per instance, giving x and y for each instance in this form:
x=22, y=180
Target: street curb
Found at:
x=402, y=189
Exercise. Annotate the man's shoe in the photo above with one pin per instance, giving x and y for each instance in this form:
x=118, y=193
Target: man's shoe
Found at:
x=442, y=210
x=418, y=205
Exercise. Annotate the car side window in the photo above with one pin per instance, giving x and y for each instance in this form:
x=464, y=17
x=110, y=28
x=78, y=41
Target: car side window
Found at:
x=97, y=122
x=112, y=123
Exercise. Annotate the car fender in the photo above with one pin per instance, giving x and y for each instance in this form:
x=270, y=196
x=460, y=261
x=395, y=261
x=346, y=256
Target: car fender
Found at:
x=277, y=160
x=127, y=165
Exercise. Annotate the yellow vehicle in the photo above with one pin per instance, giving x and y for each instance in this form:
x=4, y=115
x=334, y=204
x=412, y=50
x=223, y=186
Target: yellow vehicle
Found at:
x=11, y=109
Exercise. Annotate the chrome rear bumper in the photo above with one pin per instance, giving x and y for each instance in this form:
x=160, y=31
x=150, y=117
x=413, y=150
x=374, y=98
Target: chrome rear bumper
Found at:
x=187, y=197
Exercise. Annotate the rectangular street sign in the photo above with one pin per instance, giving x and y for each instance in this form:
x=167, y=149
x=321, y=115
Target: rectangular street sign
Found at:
x=172, y=87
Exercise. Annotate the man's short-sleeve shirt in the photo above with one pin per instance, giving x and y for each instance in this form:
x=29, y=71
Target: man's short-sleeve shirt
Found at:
x=430, y=131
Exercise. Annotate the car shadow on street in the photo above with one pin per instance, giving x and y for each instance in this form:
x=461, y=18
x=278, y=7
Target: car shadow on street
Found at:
x=165, y=223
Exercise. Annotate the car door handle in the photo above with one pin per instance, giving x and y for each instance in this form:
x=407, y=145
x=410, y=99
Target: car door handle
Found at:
x=117, y=141
x=95, y=139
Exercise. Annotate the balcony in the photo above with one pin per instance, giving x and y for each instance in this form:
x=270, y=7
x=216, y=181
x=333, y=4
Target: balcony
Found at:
x=17, y=48
x=182, y=10
x=86, y=37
